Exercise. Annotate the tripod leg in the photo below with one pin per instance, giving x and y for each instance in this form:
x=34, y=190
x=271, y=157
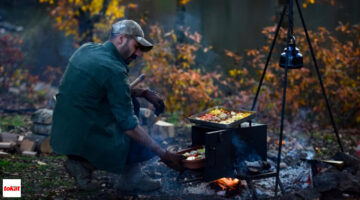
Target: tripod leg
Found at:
x=289, y=33
x=319, y=77
x=268, y=57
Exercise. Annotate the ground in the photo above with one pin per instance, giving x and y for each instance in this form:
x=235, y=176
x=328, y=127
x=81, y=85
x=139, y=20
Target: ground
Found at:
x=43, y=176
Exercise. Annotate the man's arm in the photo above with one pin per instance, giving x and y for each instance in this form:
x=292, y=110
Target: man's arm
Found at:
x=170, y=159
x=139, y=135
x=151, y=97
x=137, y=92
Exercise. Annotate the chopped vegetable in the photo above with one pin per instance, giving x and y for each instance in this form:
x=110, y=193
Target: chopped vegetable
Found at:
x=195, y=154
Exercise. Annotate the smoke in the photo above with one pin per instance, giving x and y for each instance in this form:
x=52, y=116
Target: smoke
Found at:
x=243, y=153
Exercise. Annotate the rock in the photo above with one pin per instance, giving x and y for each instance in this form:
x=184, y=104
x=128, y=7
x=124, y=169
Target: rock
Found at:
x=42, y=120
x=349, y=183
x=283, y=165
x=272, y=155
x=309, y=194
x=326, y=181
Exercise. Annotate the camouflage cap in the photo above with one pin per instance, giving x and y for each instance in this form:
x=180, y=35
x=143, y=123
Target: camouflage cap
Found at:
x=130, y=27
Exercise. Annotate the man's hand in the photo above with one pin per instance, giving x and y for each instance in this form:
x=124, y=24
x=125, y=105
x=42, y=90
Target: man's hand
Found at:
x=156, y=100
x=173, y=160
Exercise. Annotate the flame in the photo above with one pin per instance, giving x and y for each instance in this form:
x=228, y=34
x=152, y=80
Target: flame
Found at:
x=225, y=183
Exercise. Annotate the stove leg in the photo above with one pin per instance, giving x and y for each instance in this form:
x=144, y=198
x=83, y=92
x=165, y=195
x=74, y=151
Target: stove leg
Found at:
x=252, y=189
x=281, y=187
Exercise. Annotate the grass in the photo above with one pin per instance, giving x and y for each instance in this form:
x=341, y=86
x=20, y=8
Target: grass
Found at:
x=8, y=122
x=39, y=181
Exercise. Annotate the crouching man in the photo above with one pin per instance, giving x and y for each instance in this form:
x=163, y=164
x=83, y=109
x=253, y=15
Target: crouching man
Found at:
x=94, y=122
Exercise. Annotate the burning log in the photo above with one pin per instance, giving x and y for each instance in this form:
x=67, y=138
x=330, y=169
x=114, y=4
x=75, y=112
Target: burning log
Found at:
x=230, y=186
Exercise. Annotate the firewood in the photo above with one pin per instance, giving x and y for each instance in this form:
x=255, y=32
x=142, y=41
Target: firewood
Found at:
x=29, y=153
x=164, y=129
x=38, y=139
x=20, y=138
x=7, y=145
x=9, y=137
x=45, y=146
x=4, y=154
x=27, y=145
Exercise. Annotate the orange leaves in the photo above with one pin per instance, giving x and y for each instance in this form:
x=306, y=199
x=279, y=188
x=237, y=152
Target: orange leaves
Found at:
x=132, y=5
x=171, y=71
x=94, y=15
x=183, y=2
x=233, y=55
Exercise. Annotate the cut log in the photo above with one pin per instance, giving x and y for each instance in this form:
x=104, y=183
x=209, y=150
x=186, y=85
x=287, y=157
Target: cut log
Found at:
x=163, y=129
x=38, y=139
x=29, y=153
x=27, y=145
x=8, y=137
x=20, y=138
x=45, y=146
x=7, y=145
x=4, y=154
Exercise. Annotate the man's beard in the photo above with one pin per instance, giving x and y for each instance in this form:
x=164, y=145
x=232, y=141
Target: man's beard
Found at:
x=126, y=54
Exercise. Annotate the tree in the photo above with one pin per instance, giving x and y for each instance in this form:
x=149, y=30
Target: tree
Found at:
x=339, y=66
x=86, y=20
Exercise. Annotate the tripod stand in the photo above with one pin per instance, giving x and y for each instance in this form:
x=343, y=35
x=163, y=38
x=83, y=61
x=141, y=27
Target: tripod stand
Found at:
x=289, y=6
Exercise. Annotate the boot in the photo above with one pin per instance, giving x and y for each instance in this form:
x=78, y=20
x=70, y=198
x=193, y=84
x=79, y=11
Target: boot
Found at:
x=82, y=173
x=134, y=180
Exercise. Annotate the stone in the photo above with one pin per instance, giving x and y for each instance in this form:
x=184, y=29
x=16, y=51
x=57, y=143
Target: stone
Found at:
x=283, y=165
x=326, y=181
x=42, y=116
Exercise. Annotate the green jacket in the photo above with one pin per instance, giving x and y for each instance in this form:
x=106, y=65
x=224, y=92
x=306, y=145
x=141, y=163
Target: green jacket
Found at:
x=94, y=108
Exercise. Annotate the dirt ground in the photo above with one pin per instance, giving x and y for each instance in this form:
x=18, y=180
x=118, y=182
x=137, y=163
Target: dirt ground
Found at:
x=44, y=177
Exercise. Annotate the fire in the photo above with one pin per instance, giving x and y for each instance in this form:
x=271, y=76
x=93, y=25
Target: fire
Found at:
x=227, y=183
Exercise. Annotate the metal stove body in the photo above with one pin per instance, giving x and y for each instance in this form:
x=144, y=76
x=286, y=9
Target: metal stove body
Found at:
x=226, y=147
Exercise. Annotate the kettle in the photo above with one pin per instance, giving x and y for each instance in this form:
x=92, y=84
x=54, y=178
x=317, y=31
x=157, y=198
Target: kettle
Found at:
x=294, y=57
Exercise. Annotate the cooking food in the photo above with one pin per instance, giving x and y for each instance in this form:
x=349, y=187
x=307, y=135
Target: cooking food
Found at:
x=223, y=116
x=196, y=154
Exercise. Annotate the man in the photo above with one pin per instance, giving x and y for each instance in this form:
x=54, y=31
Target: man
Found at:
x=94, y=122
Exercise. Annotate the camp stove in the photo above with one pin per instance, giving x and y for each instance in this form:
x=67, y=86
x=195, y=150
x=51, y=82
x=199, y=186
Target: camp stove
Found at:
x=226, y=149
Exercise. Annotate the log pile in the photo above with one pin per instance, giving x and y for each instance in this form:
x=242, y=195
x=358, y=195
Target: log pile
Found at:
x=33, y=143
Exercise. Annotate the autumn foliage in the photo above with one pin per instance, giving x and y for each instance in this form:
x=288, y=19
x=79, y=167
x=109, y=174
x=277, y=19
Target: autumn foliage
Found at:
x=172, y=70
x=86, y=20
x=338, y=60
x=16, y=82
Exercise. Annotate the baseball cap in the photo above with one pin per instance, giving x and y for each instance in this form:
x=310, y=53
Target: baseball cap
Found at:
x=132, y=28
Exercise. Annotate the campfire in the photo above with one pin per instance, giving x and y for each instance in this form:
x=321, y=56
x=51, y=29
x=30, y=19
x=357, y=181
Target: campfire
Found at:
x=228, y=187
x=227, y=183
